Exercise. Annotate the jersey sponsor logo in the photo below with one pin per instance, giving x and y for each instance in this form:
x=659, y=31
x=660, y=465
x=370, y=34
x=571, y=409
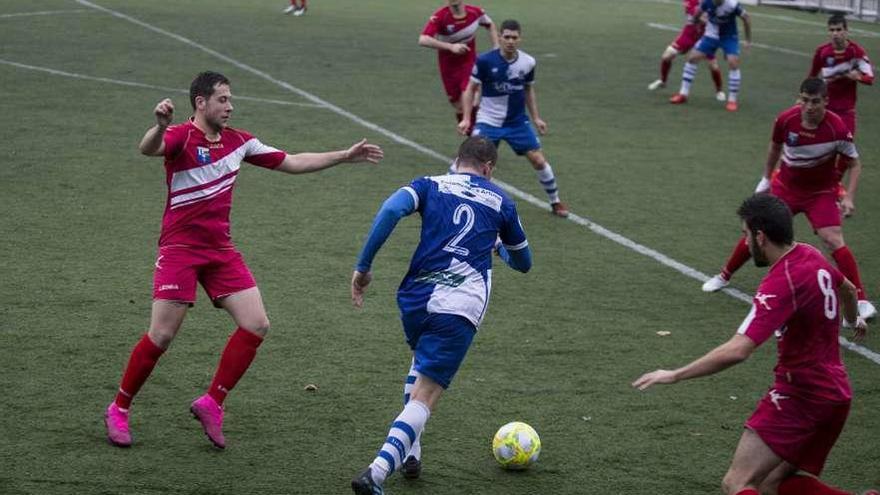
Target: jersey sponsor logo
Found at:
x=762, y=300
x=203, y=155
x=460, y=185
x=506, y=87
x=792, y=139
x=168, y=287
x=442, y=277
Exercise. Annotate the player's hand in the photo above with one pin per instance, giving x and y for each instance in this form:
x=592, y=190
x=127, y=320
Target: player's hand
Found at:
x=746, y=46
x=654, y=377
x=359, y=283
x=164, y=112
x=463, y=126
x=847, y=207
x=459, y=48
x=763, y=185
x=854, y=75
x=362, y=151
x=541, y=125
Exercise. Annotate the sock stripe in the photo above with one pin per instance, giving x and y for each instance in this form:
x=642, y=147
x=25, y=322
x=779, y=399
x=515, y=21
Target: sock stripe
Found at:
x=389, y=459
x=400, y=425
x=411, y=379
x=398, y=444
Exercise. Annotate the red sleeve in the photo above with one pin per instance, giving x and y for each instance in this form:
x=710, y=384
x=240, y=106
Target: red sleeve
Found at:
x=816, y=67
x=779, y=129
x=772, y=306
x=174, y=139
x=432, y=27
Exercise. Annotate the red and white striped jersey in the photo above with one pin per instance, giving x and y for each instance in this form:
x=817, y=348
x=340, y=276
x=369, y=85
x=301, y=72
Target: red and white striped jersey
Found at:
x=445, y=27
x=829, y=64
x=200, y=175
x=809, y=155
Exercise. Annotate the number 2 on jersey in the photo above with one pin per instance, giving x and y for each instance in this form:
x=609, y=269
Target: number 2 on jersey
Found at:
x=825, y=285
x=466, y=211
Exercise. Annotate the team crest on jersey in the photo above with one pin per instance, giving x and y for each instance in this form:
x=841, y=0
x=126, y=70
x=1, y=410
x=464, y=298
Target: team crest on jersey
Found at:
x=514, y=73
x=450, y=28
x=829, y=61
x=203, y=155
x=792, y=139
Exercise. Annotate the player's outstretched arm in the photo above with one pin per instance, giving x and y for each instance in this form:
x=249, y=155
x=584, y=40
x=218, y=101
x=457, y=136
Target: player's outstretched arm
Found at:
x=303, y=163
x=519, y=259
x=734, y=351
x=153, y=143
x=397, y=206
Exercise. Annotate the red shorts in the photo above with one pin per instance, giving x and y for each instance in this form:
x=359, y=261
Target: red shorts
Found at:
x=821, y=208
x=800, y=431
x=689, y=35
x=455, y=80
x=221, y=272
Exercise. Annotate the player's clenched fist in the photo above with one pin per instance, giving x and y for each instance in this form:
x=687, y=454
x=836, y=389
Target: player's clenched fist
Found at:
x=164, y=112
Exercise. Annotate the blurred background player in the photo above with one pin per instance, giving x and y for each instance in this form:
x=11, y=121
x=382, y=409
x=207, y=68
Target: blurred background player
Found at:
x=721, y=32
x=202, y=160
x=505, y=78
x=451, y=31
x=799, y=301
x=810, y=140
x=688, y=36
x=445, y=293
x=296, y=7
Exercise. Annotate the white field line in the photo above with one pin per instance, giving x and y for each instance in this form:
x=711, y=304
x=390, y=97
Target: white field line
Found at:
x=598, y=229
x=44, y=12
x=143, y=85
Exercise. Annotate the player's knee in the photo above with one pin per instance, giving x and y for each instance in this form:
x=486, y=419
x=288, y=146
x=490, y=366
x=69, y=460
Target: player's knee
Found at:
x=669, y=53
x=833, y=242
x=730, y=484
x=259, y=326
x=162, y=336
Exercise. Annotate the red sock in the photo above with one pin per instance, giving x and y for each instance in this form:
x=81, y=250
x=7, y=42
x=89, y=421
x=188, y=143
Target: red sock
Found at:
x=806, y=485
x=748, y=491
x=846, y=263
x=716, y=78
x=737, y=259
x=304, y=3
x=473, y=119
x=665, y=66
x=141, y=363
x=235, y=360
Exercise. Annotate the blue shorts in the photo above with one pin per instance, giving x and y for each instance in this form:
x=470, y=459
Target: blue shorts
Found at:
x=520, y=137
x=439, y=342
x=709, y=46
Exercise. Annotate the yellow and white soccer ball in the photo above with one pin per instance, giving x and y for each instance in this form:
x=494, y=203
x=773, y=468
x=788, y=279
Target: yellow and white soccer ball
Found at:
x=516, y=446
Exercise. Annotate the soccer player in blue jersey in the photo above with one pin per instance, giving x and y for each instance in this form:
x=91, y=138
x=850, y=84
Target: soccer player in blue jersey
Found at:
x=721, y=32
x=505, y=76
x=444, y=295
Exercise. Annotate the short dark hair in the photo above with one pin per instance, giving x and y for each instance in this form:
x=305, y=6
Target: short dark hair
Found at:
x=477, y=150
x=837, y=19
x=770, y=215
x=203, y=85
x=510, y=25
x=814, y=86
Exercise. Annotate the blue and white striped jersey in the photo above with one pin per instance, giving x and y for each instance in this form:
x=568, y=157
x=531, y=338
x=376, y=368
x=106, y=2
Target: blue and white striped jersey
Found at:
x=451, y=271
x=503, y=84
x=722, y=18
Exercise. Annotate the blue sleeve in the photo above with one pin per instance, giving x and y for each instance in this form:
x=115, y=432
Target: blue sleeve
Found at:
x=530, y=77
x=520, y=260
x=397, y=206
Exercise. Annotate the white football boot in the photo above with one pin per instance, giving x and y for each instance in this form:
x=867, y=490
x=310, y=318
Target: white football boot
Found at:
x=715, y=284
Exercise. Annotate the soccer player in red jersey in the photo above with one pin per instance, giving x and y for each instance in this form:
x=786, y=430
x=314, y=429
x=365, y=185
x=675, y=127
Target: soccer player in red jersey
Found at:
x=296, y=7
x=451, y=31
x=688, y=36
x=787, y=439
x=202, y=159
x=810, y=140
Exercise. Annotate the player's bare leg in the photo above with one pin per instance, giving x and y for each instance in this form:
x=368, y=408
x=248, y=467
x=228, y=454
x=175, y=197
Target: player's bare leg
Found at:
x=752, y=463
x=832, y=239
x=733, y=81
x=665, y=66
x=165, y=321
x=687, y=77
x=548, y=181
x=246, y=309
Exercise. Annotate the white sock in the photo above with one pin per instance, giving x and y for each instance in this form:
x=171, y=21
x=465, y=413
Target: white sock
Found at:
x=548, y=182
x=687, y=78
x=403, y=433
x=733, y=80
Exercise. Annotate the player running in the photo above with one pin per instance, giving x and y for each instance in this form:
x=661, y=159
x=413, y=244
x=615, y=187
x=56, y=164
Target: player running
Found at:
x=787, y=439
x=810, y=140
x=202, y=159
x=444, y=295
x=690, y=33
x=721, y=32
